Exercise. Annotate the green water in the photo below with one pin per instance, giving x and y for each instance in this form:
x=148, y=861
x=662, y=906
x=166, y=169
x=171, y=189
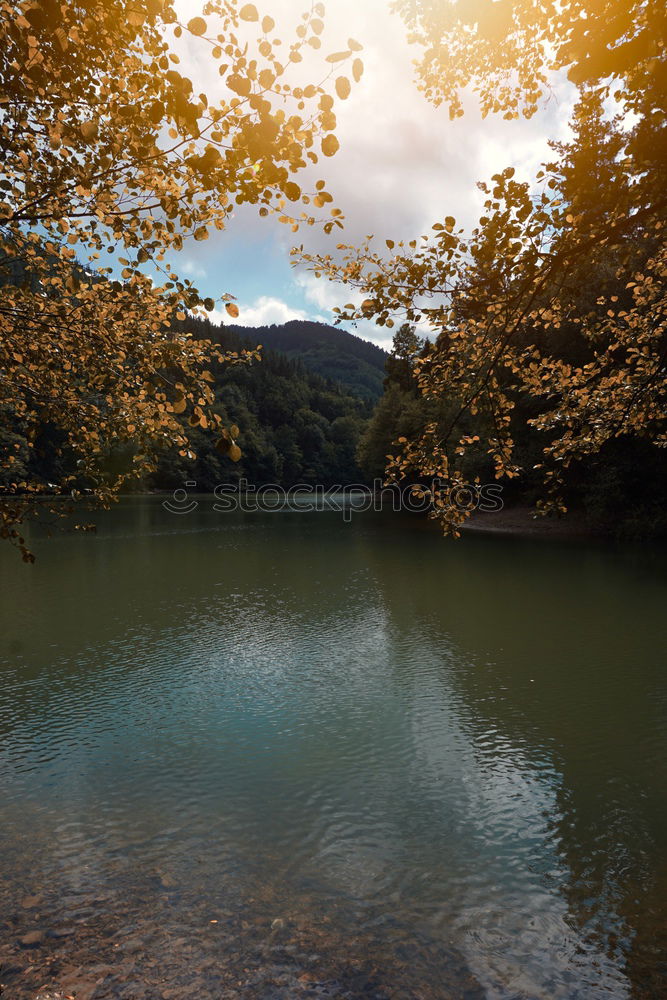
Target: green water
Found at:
x=386, y=764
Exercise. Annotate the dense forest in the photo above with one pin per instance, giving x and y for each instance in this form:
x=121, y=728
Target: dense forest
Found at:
x=330, y=352
x=325, y=407
x=619, y=491
x=295, y=425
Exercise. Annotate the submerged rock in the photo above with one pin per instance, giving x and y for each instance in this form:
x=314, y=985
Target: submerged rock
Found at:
x=30, y=902
x=33, y=939
x=62, y=932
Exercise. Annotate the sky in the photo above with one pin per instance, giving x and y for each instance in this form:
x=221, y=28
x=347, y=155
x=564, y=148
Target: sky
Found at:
x=402, y=166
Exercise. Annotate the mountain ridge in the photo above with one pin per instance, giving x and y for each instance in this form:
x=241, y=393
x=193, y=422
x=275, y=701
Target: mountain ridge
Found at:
x=325, y=350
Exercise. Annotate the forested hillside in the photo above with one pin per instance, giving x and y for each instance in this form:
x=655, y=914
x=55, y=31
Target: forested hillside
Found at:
x=618, y=492
x=294, y=426
x=332, y=353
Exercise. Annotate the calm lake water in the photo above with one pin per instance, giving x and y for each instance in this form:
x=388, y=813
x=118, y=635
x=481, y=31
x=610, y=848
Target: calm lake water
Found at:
x=273, y=755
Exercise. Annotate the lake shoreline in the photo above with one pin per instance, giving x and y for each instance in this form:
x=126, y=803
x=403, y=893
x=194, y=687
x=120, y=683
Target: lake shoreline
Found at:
x=524, y=522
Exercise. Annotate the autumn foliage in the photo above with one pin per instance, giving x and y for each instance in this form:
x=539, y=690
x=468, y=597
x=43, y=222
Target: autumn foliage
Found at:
x=551, y=314
x=110, y=163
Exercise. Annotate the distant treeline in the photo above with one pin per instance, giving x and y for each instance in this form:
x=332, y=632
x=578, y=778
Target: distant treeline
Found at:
x=296, y=426
x=620, y=491
x=333, y=353
x=326, y=407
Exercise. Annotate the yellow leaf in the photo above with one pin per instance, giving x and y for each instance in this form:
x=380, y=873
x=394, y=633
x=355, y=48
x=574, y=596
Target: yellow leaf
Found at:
x=88, y=130
x=355, y=46
x=249, y=13
x=234, y=430
x=241, y=85
x=357, y=70
x=330, y=145
x=232, y=309
x=338, y=56
x=235, y=453
x=201, y=233
x=343, y=87
x=197, y=26
x=268, y=24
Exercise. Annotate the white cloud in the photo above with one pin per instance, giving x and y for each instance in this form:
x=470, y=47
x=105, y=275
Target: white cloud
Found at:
x=263, y=312
x=192, y=268
x=402, y=165
x=326, y=295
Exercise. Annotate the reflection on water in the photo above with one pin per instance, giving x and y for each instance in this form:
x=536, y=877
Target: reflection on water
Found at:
x=384, y=765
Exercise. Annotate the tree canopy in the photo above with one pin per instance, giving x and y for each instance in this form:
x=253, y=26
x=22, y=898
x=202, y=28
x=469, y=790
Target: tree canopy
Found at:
x=110, y=162
x=552, y=311
x=507, y=51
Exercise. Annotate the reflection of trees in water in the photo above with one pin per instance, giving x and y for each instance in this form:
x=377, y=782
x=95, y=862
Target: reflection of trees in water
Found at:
x=488, y=661
x=558, y=670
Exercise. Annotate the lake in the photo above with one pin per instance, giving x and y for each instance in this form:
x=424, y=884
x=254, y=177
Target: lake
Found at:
x=280, y=755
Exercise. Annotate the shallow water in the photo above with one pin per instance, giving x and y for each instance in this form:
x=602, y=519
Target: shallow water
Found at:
x=270, y=754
